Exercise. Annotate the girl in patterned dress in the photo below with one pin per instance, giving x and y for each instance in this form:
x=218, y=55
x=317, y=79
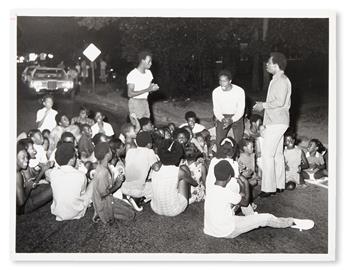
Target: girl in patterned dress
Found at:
x=194, y=161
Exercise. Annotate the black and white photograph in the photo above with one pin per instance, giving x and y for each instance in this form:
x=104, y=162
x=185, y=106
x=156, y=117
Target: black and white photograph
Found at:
x=174, y=133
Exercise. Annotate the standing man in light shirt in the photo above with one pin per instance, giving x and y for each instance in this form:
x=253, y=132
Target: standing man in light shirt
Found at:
x=276, y=121
x=228, y=107
x=139, y=85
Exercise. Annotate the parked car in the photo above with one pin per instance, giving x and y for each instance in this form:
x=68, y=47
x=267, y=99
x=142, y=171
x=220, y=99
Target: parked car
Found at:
x=46, y=79
x=27, y=74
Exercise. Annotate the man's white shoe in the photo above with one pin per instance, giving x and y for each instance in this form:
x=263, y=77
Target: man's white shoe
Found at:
x=303, y=224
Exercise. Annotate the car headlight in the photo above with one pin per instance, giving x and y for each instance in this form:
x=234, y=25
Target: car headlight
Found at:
x=69, y=84
x=36, y=84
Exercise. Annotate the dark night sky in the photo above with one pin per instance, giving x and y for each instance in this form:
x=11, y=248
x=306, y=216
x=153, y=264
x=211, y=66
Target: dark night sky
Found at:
x=61, y=36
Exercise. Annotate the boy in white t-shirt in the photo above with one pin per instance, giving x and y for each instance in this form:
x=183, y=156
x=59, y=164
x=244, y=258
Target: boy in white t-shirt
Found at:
x=139, y=86
x=225, y=196
x=45, y=117
x=137, y=167
x=36, y=136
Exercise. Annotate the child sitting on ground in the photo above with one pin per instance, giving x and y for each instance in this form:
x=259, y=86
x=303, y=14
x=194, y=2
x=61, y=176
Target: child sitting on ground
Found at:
x=29, y=195
x=181, y=136
x=189, y=133
x=138, y=164
x=225, y=195
x=35, y=170
x=117, y=163
x=246, y=161
x=107, y=208
x=36, y=136
x=83, y=118
x=45, y=144
x=316, y=162
x=119, y=154
x=198, y=172
x=45, y=134
x=258, y=149
x=63, y=123
x=212, y=132
x=146, y=124
x=167, y=133
x=128, y=135
x=85, y=145
x=200, y=143
x=100, y=126
x=252, y=130
x=157, y=137
x=191, y=119
x=172, y=127
x=45, y=117
x=295, y=160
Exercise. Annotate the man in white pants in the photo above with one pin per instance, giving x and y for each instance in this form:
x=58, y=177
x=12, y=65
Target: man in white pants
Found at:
x=276, y=122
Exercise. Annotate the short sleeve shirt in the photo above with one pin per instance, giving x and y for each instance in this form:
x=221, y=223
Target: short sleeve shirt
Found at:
x=219, y=215
x=138, y=164
x=140, y=80
x=107, y=129
x=49, y=122
x=68, y=185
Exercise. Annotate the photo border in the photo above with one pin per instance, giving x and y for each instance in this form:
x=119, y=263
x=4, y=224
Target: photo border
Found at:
x=240, y=13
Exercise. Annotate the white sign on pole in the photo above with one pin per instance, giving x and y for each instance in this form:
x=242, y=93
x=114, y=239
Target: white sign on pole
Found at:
x=92, y=52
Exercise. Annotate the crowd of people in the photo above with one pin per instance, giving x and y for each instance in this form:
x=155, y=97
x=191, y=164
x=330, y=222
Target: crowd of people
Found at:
x=80, y=163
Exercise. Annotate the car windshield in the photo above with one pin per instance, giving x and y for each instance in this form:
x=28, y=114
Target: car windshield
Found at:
x=49, y=74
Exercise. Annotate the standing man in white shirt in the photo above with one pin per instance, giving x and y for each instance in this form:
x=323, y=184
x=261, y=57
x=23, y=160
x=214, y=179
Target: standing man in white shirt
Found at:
x=276, y=122
x=228, y=107
x=139, y=83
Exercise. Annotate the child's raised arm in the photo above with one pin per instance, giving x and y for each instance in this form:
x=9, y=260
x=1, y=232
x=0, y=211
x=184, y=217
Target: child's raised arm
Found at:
x=304, y=161
x=244, y=190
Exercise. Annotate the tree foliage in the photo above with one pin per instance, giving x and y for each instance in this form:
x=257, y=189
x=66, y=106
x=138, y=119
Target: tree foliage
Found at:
x=185, y=49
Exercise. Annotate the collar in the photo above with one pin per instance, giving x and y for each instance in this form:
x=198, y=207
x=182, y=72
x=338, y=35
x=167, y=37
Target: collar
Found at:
x=67, y=168
x=278, y=74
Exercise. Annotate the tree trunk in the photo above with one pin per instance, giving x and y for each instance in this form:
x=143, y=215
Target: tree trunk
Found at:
x=256, y=58
x=265, y=75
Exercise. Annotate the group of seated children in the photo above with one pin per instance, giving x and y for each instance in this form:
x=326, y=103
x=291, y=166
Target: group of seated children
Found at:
x=300, y=162
x=79, y=163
